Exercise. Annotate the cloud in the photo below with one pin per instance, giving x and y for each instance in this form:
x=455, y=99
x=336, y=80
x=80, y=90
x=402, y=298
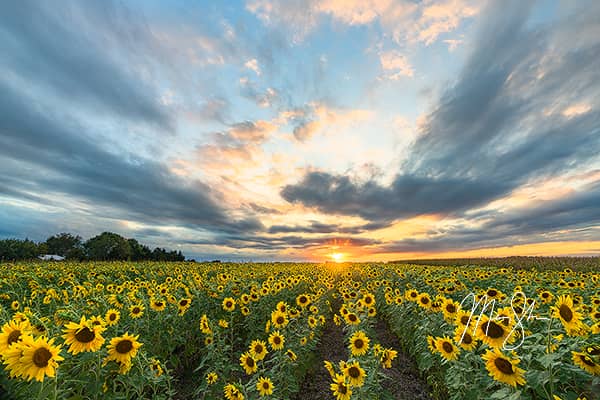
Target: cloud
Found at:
x=77, y=166
x=318, y=117
x=404, y=21
x=395, y=64
x=486, y=135
x=253, y=65
x=318, y=227
x=69, y=60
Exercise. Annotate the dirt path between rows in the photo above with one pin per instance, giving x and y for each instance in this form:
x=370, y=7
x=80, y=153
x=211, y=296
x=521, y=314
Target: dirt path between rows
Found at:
x=404, y=381
x=331, y=347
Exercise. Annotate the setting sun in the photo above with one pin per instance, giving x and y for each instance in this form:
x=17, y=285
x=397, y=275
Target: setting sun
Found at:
x=337, y=257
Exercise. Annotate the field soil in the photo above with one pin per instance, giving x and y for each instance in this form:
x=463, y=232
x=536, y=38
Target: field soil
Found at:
x=404, y=381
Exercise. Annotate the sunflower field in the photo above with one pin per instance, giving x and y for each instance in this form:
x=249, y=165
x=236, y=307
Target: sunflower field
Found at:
x=126, y=330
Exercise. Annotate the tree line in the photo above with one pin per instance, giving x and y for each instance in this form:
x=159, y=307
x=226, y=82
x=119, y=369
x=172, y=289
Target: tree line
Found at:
x=107, y=246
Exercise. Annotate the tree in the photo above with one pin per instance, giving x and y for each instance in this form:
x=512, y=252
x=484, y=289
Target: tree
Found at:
x=17, y=249
x=63, y=243
x=139, y=252
x=108, y=246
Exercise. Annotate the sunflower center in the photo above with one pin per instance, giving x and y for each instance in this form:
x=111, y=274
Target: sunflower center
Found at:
x=14, y=337
x=280, y=320
x=593, y=351
x=492, y=293
x=250, y=362
x=447, y=347
x=276, y=339
x=467, y=339
x=302, y=300
x=354, y=372
x=85, y=335
x=266, y=385
x=352, y=317
x=424, y=300
x=112, y=317
x=504, y=366
x=358, y=343
x=124, y=346
x=451, y=308
x=41, y=357
x=228, y=304
x=587, y=360
x=464, y=319
x=159, y=304
x=136, y=310
x=566, y=313
x=493, y=330
x=258, y=348
x=183, y=303
x=342, y=388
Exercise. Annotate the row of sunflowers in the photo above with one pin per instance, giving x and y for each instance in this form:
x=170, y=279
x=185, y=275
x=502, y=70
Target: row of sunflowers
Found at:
x=250, y=331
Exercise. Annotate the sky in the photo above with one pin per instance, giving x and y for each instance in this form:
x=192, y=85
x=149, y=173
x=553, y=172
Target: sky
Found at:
x=299, y=130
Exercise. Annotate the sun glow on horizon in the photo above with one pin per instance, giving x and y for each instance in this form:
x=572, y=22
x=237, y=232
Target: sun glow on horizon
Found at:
x=337, y=257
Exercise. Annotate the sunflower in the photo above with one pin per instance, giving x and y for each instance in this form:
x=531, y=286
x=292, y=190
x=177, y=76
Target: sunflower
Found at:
x=359, y=343
x=463, y=318
x=431, y=344
x=123, y=348
x=156, y=367
x=282, y=306
x=157, y=304
x=582, y=360
x=464, y=339
x=567, y=314
x=411, y=295
x=97, y=320
x=279, y=319
x=39, y=358
x=450, y=308
x=291, y=355
x=232, y=393
x=183, y=305
x=372, y=312
x=387, y=356
x=351, y=319
x=248, y=363
x=355, y=374
x=136, y=310
x=276, y=340
x=368, y=299
x=258, y=349
x=112, y=317
x=503, y=368
x=492, y=333
x=424, y=300
x=447, y=348
x=83, y=336
x=303, y=300
x=212, y=378
x=12, y=357
x=13, y=332
x=228, y=304
x=340, y=389
x=264, y=386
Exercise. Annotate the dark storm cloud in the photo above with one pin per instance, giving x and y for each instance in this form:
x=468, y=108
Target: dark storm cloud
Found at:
x=261, y=242
x=77, y=166
x=408, y=196
x=574, y=217
x=318, y=227
x=70, y=50
x=500, y=125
